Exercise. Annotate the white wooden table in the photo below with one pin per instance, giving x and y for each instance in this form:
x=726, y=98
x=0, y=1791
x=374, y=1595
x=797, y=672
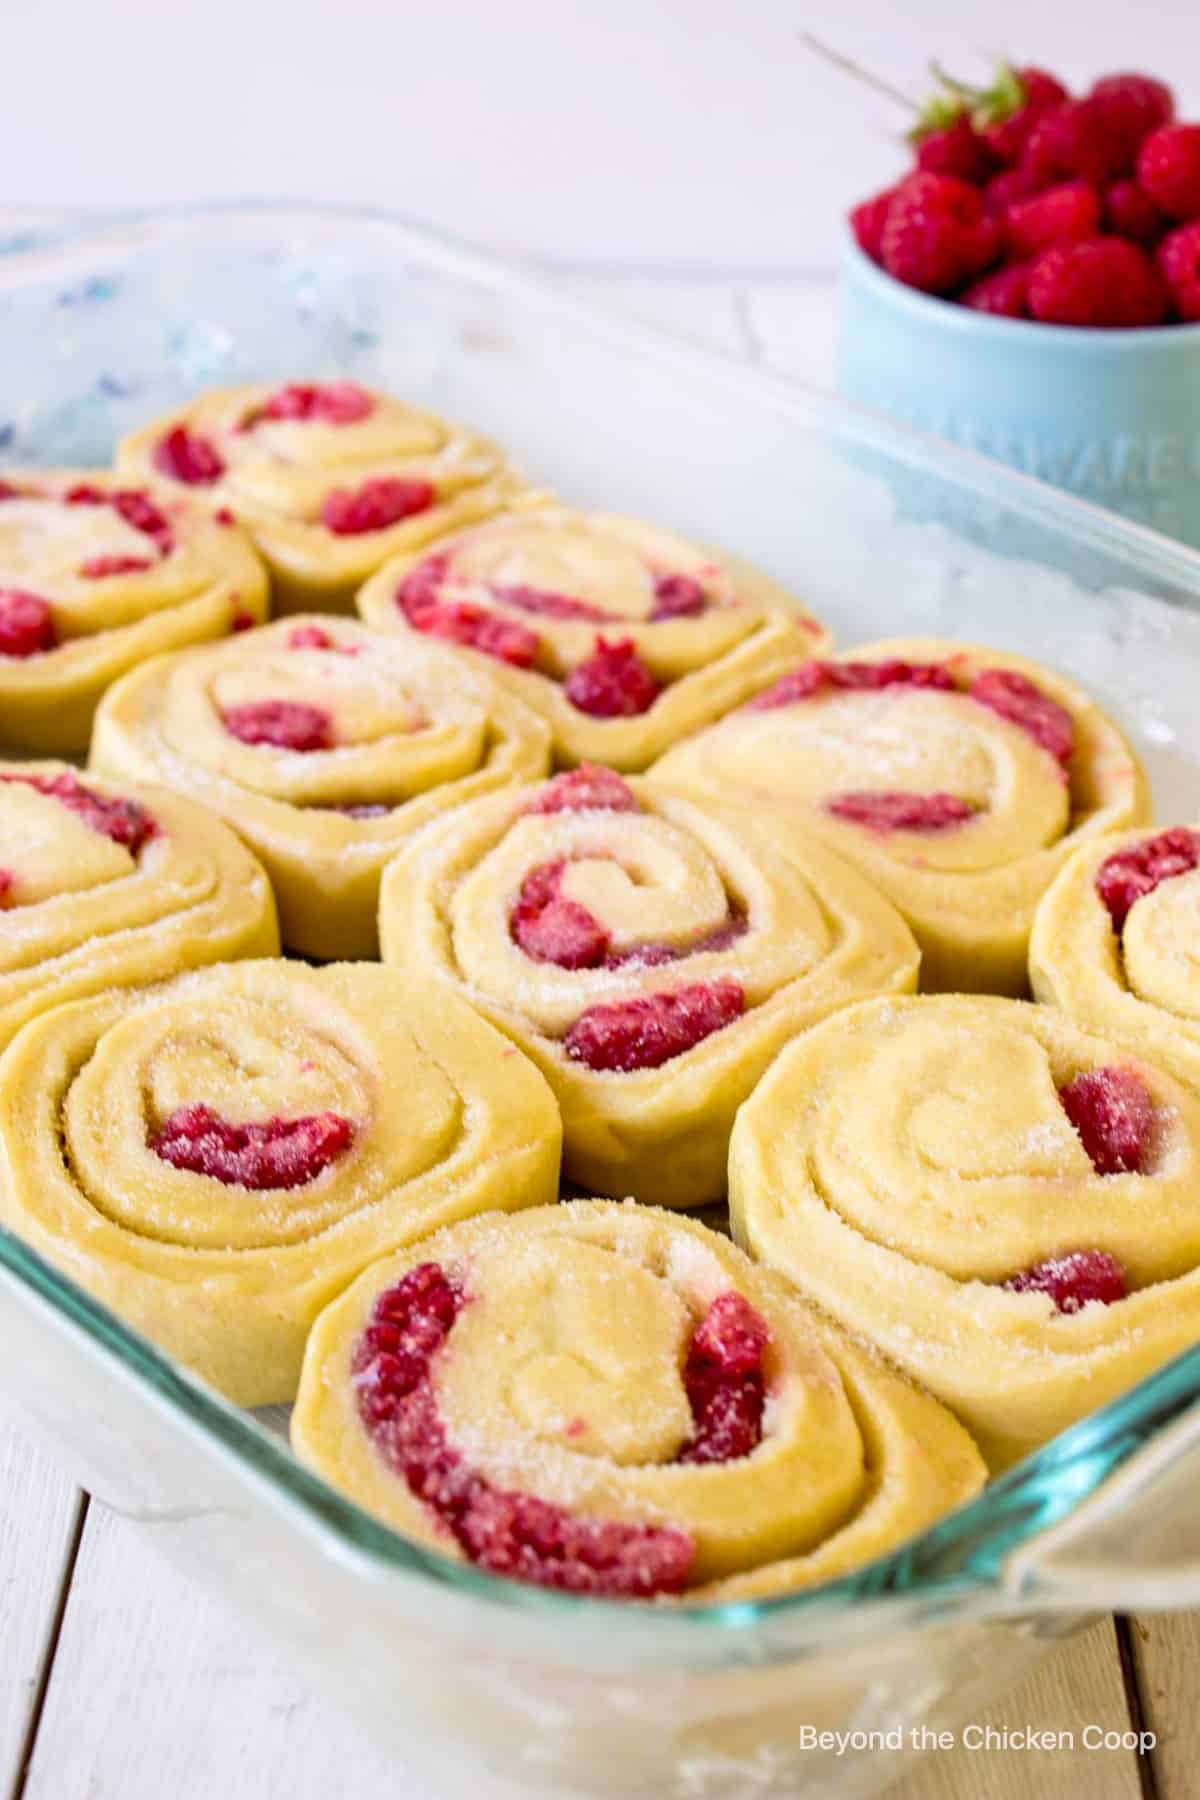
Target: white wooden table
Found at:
x=119, y=1680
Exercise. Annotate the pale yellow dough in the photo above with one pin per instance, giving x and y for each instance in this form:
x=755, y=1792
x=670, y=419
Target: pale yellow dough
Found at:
x=903, y=1160
x=415, y=733
x=970, y=892
x=209, y=579
x=751, y=630
x=563, y=1375
x=448, y=1122
x=81, y=913
x=279, y=473
x=669, y=873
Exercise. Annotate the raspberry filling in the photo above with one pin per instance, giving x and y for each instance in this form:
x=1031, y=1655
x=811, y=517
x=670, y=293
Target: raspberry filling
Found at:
x=652, y=956
x=360, y=809
x=550, y=605
x=613, y=683
x=283, y=724
x=7, y=876
x=1074, y=1279
x=26, y=624
x=812, y=678
x=550, y=927
x=96, y=568
x=384, y=501
x=886, y=811
x=648, y=1031
x=1014, y=697
x=133, y=505
x=315, y=637
x=1115, y=1116
x=278, y=1153
x=329, y=403
x=725, y=1383
x=458, y=622
x=590, y=787
x=678, y=597
x=126, y=822
x=187, y=457
x=1128, y=875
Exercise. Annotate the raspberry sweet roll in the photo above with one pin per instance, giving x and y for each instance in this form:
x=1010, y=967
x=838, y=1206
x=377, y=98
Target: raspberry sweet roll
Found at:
x=610, y=1400
x=1003, y=1203
x=96, y=575
x=217, y=1158
x=650, y=954
x=326, y=746
x=958, y=778
x=113, y=884
x=624, y=638
x=330, y=478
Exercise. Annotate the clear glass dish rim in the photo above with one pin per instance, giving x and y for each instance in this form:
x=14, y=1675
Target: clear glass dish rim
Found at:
x=961, y=1556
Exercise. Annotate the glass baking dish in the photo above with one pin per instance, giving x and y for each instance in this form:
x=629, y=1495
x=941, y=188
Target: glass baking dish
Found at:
x=486, y=1688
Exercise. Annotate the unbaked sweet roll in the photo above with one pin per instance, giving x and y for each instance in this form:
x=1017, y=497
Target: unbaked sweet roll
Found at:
x=96, y=576
x=610, y=1400
x=624, y=637
x=217, y=1158
x=959, y=779
x=326, y=746
x=1002, y=1202
x=330, y=478
x=114, y=884
x=651, y=955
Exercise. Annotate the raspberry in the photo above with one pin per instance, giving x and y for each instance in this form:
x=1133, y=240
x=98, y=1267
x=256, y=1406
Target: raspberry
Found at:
x=1005, y=292
x=377, y=504
x=614, y=682
x=1131, y=107
x=1168, y=168
x=725, y=1383
x=653, y=956
x=810, y=678
x=958, y=150
x=550, y=928
x=124, y=821
x=242, y=621
x=550, y=605
x=332, y=403
x=1015, y=698
x=459, y=622
x=284, y=724
x=587, y=788
x=1129, y=874
x=1074, y=1280
x=279, y=1153
x=867, y=221
x=311, y=637
x=1059, y=215
x=881, y=811
x=678, y=597
x=1032, y=93
x=1005, y=188
x=26, y=623
x=1103, y=282
x=938, y=234
x=8, y=878
x=97, y=567
x=646, y=1032
x=1116, y=1118
x=1074, y=140
x=1131, y=213
x=8, y=491
x=188, y=458
x=137, y=509
x=1179, y=260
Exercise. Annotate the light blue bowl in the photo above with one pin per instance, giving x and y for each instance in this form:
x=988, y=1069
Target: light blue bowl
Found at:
x=1113, y=416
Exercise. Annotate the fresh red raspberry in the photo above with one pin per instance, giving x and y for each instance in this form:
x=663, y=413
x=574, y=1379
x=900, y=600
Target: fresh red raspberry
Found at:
x=189, y=458
x=958, y=150
x=283, y=724
x=330, y=403
x=279, y=1153
x=1179, y=260
x=1074, y=1280
x=648, y=1031
x=1103, y=282
x=678, y=597
x=867, y=221
x=725, y=1382
x=377, y=504
x=96, y=568
x=1059, y=215
x=1131, y=213
x=885, y=811
x=1004, y=189
x=1128, y=874
x=126, y=822
x=1015, y=698
x=550, y=928
x=1073, y=140
x=26, y=623
x=588, y=788
x=1036, y=93
x=1131, y=107
x=1114, y=1113
x=614, y=682
x=938, y=234
x=1005, y=292
x=1169, y=170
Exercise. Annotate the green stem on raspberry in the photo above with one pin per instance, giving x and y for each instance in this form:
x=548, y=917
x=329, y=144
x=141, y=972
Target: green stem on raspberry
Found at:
x=849, y=67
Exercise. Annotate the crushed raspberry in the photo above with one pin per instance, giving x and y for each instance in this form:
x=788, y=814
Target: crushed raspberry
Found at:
x=1015, y=698
x=242, y=621
x=135, y=506
x=549, y=605
x=348, y=512
x=126, y=822
x=613, y=683
x=503, y=1531
x=85, y=493
x=284, y=724
x=278, y=1153
x=223, y=516
x=26, y=623
x=887, y=811
x=551, y=928
x=7, y=876
x=1129, y=874
x=189, y=458
x=590, y=787
x=678, y=597
x=330, y=403
x=314, y=637
x=813, y=678
x=8, y=491
x=725, y=1382
x=97, y=567
x=1116, y=1118
x=1074, y=1280
x=459, y=622
x=653, y=956
x=645, y=1032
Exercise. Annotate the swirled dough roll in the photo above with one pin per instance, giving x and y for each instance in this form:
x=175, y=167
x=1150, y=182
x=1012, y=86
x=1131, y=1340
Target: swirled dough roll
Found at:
x=625, y=638
x=115, y=884
x=218, y=1157
x=650, y=954
x=96, y=576
x=1001, y=1202
x=612, y=1400
x=329, y=478
x=959, y=779
x=326, y=746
